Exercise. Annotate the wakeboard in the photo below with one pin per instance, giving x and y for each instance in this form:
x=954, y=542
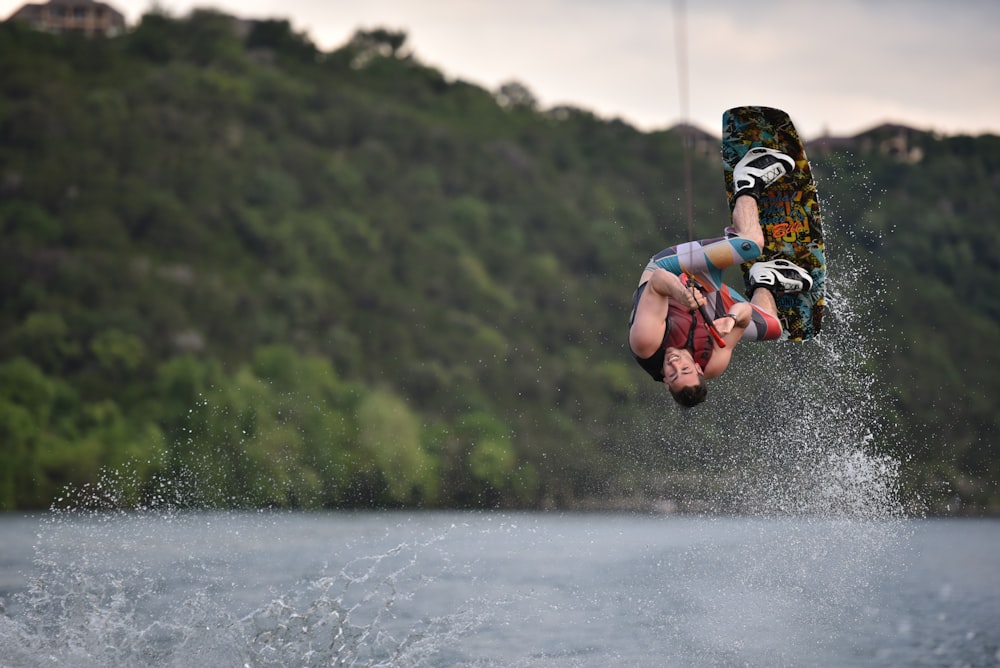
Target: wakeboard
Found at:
x=789, y=211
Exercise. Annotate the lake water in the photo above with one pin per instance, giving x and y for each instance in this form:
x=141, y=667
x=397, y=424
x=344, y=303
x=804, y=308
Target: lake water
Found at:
x=495, y=589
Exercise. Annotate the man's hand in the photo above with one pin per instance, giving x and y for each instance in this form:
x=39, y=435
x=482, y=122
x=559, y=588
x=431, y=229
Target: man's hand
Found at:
x=667, y=284
x=741, y=312
x=690, y=296
x=724, y=325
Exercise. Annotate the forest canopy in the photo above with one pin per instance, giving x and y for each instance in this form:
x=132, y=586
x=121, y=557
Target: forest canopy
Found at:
x=343, y=280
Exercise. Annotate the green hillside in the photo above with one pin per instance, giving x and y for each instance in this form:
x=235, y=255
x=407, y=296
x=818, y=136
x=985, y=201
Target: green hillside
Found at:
x=268, y=275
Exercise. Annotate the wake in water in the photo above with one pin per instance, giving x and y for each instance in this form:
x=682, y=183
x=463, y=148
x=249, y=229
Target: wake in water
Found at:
x=151, y=587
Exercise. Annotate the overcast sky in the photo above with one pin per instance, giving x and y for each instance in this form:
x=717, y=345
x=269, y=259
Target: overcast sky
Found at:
x=837, y=66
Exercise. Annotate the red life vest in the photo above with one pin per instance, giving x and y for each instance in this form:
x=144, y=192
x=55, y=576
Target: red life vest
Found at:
x=687, y=329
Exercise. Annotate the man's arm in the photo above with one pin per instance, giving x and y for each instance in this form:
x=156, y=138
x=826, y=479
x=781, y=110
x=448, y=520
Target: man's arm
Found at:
x=731, y=329
x=646, y=334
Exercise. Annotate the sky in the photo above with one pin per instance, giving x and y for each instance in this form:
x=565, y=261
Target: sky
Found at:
x=838, y=67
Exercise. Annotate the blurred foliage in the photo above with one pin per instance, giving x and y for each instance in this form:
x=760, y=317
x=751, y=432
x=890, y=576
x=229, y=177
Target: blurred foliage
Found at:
x=340, y=279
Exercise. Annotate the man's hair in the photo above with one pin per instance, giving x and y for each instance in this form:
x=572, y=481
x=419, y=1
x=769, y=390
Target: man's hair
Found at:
x=692, y=395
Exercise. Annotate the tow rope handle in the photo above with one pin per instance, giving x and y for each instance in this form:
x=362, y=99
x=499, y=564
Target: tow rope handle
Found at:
x=712, y=329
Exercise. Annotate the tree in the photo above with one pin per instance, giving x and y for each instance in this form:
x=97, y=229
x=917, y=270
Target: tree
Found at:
x=514, y=95
x=389, y=437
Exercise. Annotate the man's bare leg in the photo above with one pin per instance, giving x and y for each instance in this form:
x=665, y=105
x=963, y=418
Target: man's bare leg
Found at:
x=746, y=220
x=764, y=300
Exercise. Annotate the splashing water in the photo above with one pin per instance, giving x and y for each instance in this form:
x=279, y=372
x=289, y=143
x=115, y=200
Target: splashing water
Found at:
x=796, y=429
x=151, y=587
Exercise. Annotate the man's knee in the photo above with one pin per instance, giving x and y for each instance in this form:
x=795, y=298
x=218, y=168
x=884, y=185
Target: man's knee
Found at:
x=746, y=249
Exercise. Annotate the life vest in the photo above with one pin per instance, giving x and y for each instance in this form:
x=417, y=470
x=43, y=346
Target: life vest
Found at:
x=684, y=329
x=688, y=329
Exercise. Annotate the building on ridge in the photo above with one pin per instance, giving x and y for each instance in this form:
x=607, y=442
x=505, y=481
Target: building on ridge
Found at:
x=58, y=16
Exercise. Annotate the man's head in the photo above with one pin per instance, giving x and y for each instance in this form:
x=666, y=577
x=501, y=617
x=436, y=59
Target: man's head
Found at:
x=684, y=378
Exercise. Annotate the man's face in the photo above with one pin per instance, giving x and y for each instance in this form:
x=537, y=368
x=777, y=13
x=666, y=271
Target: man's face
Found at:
x=680, y=370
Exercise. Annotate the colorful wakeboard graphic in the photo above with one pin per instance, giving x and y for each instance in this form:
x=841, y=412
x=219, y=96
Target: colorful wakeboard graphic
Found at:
x=789, y=211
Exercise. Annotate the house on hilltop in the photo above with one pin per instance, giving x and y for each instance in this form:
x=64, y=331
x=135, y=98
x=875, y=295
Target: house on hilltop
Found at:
x=87, y=16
